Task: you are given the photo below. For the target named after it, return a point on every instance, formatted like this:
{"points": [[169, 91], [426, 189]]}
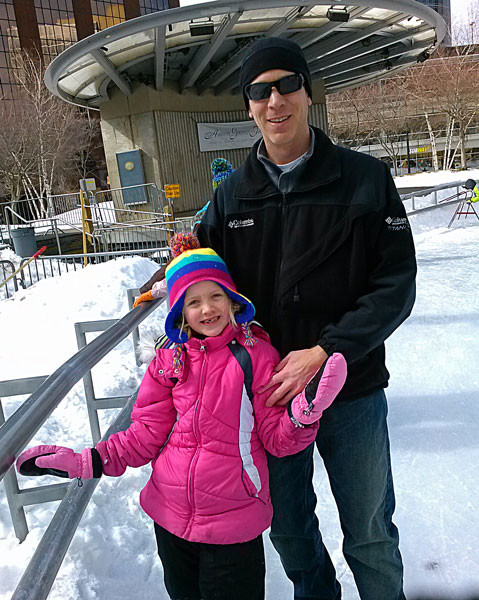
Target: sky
{"points": [[460, 8], [433, 421]]}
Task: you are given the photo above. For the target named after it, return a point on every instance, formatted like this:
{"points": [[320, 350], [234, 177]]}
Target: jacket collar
{"points": [[321, 168], [213, 343]]}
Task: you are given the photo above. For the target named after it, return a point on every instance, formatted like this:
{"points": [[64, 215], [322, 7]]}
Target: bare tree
{"points": [[421, 88], [347, 114], [46, 141]]}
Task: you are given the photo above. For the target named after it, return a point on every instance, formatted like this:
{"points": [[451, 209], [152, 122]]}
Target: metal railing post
{"points": [[93, 403], [132, 294], [55, 229], [17, 498], [12, 492], [42, 570]]}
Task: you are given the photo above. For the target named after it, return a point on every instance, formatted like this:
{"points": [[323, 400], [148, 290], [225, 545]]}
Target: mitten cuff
{"points": [[96, 463], [294, 421]]}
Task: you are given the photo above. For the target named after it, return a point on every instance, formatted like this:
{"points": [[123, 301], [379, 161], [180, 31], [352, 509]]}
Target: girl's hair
{"points": [[234, 308]]}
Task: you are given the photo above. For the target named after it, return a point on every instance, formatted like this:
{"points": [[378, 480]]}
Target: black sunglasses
{"points": [[285, 85]]}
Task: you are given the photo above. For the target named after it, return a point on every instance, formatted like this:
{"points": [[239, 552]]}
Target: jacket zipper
{"points": [[280, 262], [196, 432]]}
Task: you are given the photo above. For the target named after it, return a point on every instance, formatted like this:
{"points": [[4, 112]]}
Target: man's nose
{"points": [[275, 98]]}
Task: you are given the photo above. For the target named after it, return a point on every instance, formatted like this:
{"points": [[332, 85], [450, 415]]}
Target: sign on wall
{"points": [[172, 190], [227, 136]]}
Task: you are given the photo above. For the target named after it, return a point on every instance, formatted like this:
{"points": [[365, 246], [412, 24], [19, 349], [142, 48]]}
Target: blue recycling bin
{"points": [[24, 241]]}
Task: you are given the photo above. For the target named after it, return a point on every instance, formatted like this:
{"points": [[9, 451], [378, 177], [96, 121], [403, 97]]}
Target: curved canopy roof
{"points": [[200, 47]]}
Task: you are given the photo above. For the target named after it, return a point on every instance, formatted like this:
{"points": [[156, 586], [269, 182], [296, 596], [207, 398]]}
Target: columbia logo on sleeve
{"points": [[398, 223]]}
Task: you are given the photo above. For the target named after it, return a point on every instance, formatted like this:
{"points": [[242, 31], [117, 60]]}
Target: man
{"points": [[317, 236]]}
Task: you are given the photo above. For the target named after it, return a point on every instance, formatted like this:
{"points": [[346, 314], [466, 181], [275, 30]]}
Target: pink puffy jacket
{"points": [[206, 439]]}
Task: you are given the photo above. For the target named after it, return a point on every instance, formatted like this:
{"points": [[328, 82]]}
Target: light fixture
{"points": [[202, 28], [337, 14], [423, 56]]}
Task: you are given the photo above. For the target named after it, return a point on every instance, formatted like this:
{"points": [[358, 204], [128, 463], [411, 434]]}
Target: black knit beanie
{"points": [[273, 53]]}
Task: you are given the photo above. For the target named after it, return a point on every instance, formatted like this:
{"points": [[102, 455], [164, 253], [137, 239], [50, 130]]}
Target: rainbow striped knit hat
{"points": [[191, 265]]}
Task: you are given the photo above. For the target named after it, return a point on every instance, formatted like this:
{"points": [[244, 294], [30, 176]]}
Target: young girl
{"points": [[200, 421]]}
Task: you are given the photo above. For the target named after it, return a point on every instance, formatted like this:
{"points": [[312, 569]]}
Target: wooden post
{"points": [[86, 220]]}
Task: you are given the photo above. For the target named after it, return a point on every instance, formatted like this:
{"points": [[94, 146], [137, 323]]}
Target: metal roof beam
{"points": [[359, 50], [207, 51], [160, 57], [234, 62], [326, 47], [109, 68], [307, 39], [347, 39], [335, 68], [379, 68], [283, 24], [371, 59]]}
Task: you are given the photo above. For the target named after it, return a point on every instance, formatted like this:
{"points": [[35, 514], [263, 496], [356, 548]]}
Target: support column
{"points": [[27, 25], [132, 9], [83, 18]]}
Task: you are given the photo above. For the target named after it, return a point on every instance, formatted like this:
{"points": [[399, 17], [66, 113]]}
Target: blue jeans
{"points": [[353, 442]]}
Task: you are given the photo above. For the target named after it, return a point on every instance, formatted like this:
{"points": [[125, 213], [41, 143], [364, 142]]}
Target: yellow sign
{"points": [[172, 190], [423, 149]]}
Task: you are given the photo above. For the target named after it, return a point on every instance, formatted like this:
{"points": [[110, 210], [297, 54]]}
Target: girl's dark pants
{"points": [[196, 571]]}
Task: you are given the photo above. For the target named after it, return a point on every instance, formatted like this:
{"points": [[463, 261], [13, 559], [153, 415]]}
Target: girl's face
{"points": [[206, 308]]}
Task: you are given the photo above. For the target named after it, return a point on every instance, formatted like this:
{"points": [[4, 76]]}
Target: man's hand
{"points": [[293, 373]]}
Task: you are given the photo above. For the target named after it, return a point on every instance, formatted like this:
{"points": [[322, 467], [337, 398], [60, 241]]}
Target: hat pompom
{"points": [[181, 242], [221, 169]]}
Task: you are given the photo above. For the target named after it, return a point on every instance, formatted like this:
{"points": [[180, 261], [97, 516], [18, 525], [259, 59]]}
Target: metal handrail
{"points": [[412, 196], [427, 191], [40, 574], [19, 429]]}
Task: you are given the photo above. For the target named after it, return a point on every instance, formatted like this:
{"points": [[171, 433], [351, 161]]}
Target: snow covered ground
{"points": [[434, 427], [430, 178]]}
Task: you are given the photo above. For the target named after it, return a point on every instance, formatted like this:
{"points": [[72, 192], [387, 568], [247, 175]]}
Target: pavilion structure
{"points": [[166, 83]]}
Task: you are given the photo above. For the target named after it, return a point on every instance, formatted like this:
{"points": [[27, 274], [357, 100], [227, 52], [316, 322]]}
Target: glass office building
{"points": [[443, 7], [50, 26]]}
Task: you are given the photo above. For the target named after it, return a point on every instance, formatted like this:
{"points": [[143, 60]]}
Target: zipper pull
{"points": [[296, 297], [202, 347]]}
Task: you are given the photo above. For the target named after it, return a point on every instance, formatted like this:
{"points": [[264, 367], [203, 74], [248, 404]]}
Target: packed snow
{"points": [[433, 418], [430, 178]]}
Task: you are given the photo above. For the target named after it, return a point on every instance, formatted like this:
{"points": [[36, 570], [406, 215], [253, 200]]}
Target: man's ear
{"points": [[309, 101], [250, 114]]}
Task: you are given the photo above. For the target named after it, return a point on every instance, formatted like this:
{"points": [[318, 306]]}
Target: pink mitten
{"points": [[308, 406], [59, 461]]}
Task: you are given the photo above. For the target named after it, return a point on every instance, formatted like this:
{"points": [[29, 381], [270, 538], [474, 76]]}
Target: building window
{"points": [[151, 6], [106, 14], [56, 26], [9, 44]]}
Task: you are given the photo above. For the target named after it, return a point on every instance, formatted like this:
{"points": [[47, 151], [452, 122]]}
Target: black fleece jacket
{"points": [[331, 263]]}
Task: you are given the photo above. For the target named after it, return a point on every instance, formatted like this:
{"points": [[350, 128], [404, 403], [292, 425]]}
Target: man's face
{"points": [[283, 120]]}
